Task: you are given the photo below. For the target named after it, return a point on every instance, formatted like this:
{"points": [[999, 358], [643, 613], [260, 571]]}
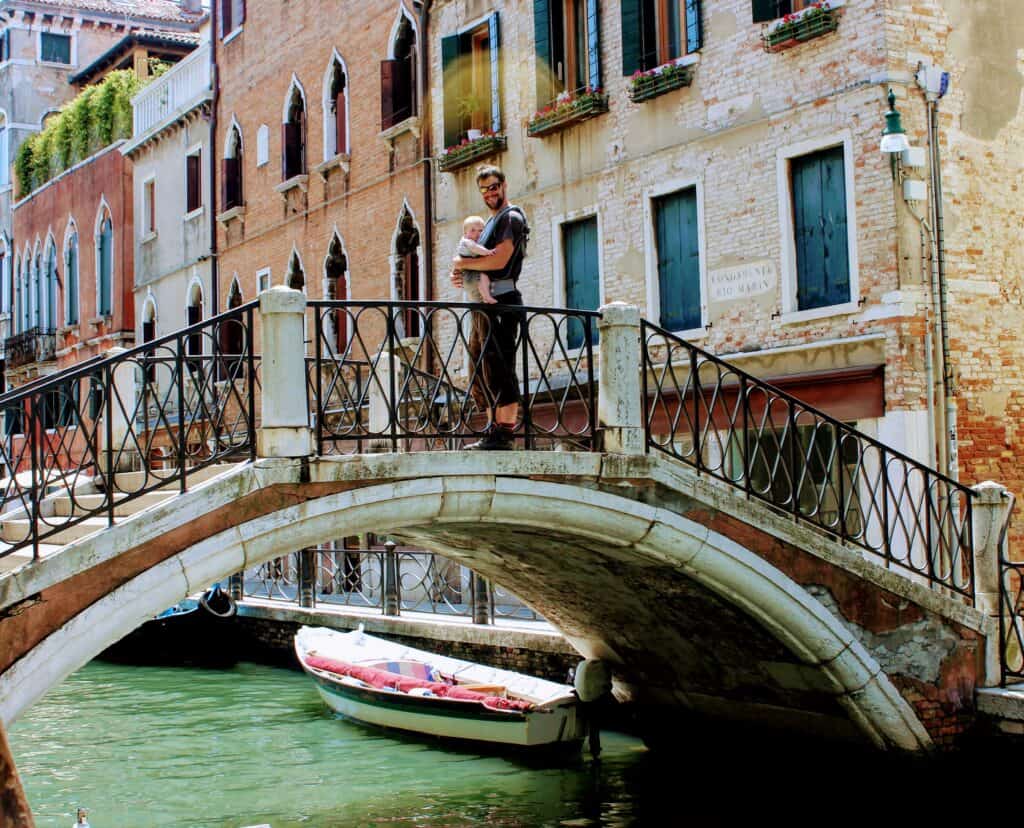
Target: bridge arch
{"points": [[609, 571]]}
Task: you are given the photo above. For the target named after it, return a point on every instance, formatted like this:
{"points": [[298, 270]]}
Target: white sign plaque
{"points": [[739, 282]]}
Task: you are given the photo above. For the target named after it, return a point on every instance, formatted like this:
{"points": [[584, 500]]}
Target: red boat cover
{"points": [[382, 679]]}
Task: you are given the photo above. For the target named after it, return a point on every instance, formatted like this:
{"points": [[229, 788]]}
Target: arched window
{"points": [[17, 314], [149, 333], [293, 135], [50, 287], [296, 275], [336, 287], [38, 290], [398, 76], [231, 336], [5, 162], [105, 265], [71, 278], [336, 137], [26, 290], [193, 316], [406, 265], [231, 169]]}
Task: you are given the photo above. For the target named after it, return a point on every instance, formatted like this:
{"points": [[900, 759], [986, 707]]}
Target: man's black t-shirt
{"points": [[509, 223]]}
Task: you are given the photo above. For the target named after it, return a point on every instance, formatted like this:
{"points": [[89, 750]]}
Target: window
{"points": [[193, 181], [296, 274], [407, 270], [677, 245], [820, 233], [55, 48], [336, 276], [148, 207], [230, 338], [293, 137], [232, 16], [336, 138], [582, 273], [105, 267], [398, 78], [262, 145], [566, 37], [5, 166], [231, 170], [262, 280], [71, 280], [49, 321], [5, 45], [655, 32], [767, 10], [148, 335], [469, 62], [193, 316]]}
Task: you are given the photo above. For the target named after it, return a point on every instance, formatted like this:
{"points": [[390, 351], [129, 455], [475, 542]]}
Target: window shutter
{"points": [[231, 176], [450, 80], [834, 236], [302, 143], [593, 45], [388, 73], [291, 150], [226, 26], [106, 267], [341, 122], [819, 229], [765, 10], [238, 12], [285, 141], [694, 31], [678, 251], [631, 37], [494, 40], [542, 48]]}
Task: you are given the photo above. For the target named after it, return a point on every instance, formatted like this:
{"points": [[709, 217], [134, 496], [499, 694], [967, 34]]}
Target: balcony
{"points": [[33, 345], [172, 95]]}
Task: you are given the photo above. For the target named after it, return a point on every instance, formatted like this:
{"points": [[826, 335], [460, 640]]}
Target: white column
{"points": [[619, 410], [989, 514], [124, 392], [284, 430]]}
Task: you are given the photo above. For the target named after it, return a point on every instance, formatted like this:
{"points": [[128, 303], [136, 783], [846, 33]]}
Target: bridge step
{"points": [[8, 563], [66, 507], [134, 480], [15, 530]]}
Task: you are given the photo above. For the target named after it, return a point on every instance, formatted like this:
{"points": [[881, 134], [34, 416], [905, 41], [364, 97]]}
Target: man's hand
{"points": [[456, 278]]}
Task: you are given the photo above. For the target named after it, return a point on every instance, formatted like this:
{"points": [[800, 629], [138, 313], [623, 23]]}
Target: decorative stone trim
{"points": [[647, 85], [341, 160], [466, 154], [813, 22], [566, 114], [410, 124], [296, 181], [236, 212]]}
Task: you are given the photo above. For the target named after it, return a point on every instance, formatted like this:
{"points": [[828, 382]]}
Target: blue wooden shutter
{"points": [[450, 81], [819, 229], [678, 249], [493, 41], [106, 267], [71, 281], [542, 49], [593, 45], [582, 275], [694, 32], [631, 36]]}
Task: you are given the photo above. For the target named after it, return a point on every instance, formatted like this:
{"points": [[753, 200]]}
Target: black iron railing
{"points": [[728, 424], [164, 410], [1011, 607], [33, 345], [421, 375]]}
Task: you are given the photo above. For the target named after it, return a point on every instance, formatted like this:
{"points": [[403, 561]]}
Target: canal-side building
{"points": [[319, 142], [719, 164]]}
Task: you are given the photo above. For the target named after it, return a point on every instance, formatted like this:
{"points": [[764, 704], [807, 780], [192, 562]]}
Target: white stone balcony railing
{"points": [[172, 95]]}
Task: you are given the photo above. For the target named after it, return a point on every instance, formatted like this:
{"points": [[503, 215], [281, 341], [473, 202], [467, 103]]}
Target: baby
{"points": [[473, 280]]}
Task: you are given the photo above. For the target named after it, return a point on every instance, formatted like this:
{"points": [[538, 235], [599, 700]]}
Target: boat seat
{"points": [[409, 669]]}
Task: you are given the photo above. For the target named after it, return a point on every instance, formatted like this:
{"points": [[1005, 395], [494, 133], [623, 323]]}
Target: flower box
{"points": [[460, 156], [650, 84], [566, 112], [792, 30]]}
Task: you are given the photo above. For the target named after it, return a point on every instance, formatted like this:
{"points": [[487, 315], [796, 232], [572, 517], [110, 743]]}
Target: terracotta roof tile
{"points": [[168, 10]]}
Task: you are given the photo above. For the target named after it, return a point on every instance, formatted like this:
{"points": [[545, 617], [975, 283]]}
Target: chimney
{"points": [[192, 6]]}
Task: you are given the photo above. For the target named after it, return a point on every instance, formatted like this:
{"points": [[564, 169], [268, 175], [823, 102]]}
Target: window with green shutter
{"points": [[764, 11], [818, 184], [71, 281], [470, 75], [55, 48], [582, 273], [677, 242], [655, 32], [105, 255], [568, 47]]}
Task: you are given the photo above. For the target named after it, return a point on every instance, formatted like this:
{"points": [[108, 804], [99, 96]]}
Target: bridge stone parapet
{"points": [[703, 602]]}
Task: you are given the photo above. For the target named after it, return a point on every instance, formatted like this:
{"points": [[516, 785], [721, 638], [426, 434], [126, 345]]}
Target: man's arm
{"points": [[496, 261]]}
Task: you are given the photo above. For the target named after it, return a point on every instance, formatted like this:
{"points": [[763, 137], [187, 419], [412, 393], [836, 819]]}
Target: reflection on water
{"points": [[161, 747]]}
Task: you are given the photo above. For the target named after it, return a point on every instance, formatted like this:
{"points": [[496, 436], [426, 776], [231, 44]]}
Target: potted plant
{"points": [[659, 80], [469, 106], [813, 21], [467, 151], [567, 109]]}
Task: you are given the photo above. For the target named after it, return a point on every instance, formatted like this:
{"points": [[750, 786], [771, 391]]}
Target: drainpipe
{"points": [[215, 86], [426, 161]]}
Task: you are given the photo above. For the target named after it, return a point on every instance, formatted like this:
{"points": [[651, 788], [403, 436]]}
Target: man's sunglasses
{"points": [[490, 188]]}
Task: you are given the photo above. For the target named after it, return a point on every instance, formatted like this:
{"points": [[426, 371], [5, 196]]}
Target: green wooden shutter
{"points": [[106, 267], [71, 281], [694, 31], [542, 49], [493, 41], [450, 81], [631, 36], [819, 229], [582, 275], [593, 45], [677, 241]]}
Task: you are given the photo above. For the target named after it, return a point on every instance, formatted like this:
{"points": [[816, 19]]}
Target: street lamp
{"points": [[894, 137]]}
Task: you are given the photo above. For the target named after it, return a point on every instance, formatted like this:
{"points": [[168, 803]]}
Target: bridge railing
{"points": [[726, 423], [1011, 607], [419, 375], [162, 410]]}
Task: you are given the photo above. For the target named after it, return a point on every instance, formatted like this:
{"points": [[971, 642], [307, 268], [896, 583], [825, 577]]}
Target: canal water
{"points": [[163, 747]]}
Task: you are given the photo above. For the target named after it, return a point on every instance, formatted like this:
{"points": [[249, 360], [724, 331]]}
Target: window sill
{"points": [[68, 329], [676, 74], [690, 334], [341, 160], [410, 124], [96, 321], [193, 215], [55, 64], [795, 317], [296, 181], [562, 116], [232, 213], [148, 237], [782, 35], [232, 35], [463, 156]]}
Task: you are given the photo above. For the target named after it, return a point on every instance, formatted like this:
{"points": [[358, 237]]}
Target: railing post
{"points": [[307, 578], [391, 597], [122, 398], [236, 586], [619, 409], [382, 403], [989, 514], [481, 595], [284, 430]]}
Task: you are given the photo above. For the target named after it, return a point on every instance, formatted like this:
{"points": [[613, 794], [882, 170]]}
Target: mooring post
{"points": [[236, 586], [284, 430], [14, 809], [989, 514], [307, 578], [619, 410], [481, 594], [392, 600]]}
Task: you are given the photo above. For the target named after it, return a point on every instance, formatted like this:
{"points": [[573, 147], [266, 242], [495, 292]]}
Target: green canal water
{"points": [[162, 747]]}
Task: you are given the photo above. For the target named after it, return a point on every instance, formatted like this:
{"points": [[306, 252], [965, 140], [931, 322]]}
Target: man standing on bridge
{"points": [[492, 343]]}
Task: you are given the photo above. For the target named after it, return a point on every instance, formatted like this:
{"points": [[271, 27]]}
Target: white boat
{"points": [[382, 683]]}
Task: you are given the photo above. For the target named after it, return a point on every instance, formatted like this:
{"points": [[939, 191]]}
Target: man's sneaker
{"points": [[497, 438]]}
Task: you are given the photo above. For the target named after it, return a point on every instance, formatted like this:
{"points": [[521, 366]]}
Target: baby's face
{"points": [[473, 231]]}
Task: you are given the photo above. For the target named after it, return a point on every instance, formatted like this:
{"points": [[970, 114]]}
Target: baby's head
{"points": [[472, 227]]}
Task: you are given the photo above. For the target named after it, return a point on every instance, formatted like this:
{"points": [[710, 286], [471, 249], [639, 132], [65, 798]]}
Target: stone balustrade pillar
{"points": [[989, 515], [380, 397], [284, 430], [619, 408], [123, 393]]}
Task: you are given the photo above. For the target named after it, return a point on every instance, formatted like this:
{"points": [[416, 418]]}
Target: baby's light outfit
{"points": [[469, 249]]}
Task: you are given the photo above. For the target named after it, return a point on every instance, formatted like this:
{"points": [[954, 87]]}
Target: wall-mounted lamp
{"points": [[894, 137]]}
